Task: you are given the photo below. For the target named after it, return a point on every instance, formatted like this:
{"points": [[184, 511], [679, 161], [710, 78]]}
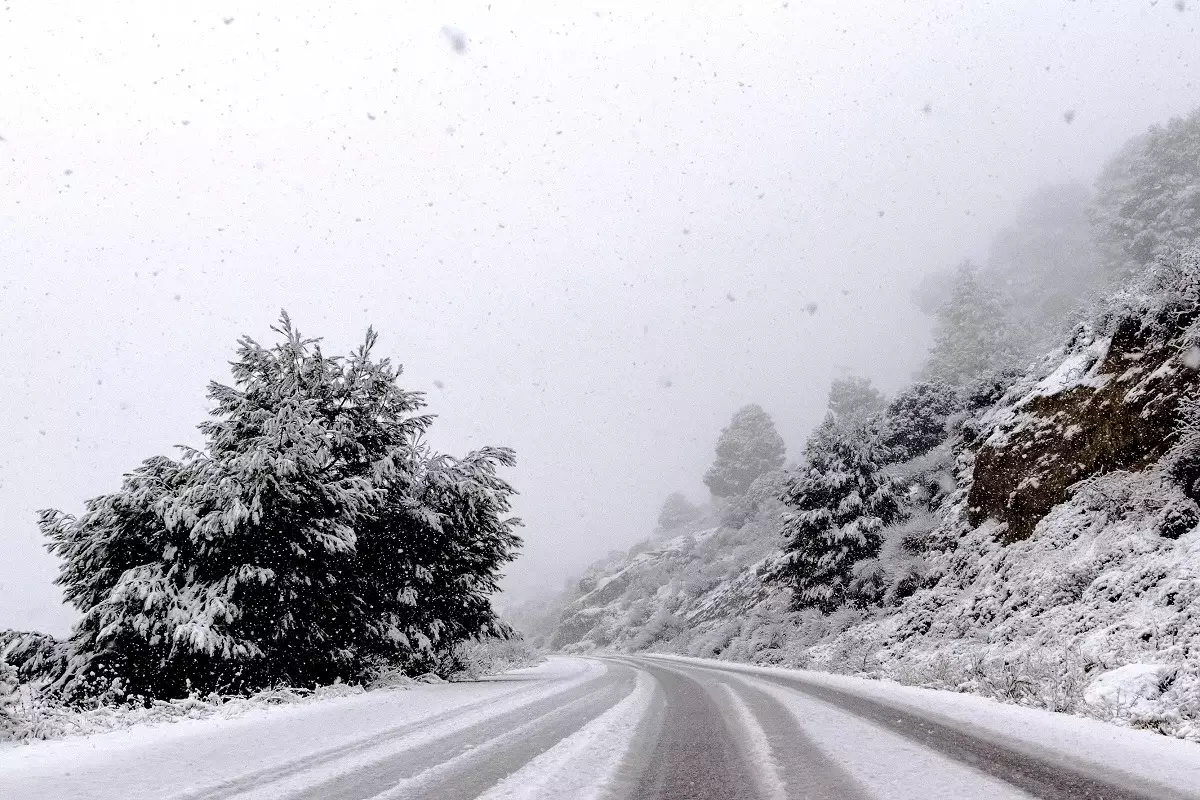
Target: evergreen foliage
{"points": [[315, 536], [974, 335], [854, 399], [915, 421], [676, 512], [838, 502], [747, 448], [36, 656], [762, 494], [10, 699], [1147, 203]]}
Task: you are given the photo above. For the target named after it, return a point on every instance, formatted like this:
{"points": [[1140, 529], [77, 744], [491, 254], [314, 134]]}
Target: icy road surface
{"points": [[629, 727]]}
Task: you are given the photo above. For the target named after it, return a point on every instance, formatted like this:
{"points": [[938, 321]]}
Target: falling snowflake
{"points": [[457, 39]]}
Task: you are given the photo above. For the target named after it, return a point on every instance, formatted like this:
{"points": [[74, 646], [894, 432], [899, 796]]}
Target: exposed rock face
{"points": [[1112, 405]]}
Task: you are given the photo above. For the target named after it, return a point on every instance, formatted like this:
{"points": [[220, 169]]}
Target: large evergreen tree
{"points": [[838, 502], [314, 536], [747, 448]]}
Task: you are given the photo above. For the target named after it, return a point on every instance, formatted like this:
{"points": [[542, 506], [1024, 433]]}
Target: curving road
{"points": [[628, 728]]}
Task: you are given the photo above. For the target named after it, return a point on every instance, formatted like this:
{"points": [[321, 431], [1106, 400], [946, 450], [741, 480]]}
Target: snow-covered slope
{"points": [[1060, 566], [693, 581]]}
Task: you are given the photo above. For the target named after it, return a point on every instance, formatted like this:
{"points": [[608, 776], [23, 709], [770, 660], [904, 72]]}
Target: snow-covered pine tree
{"points": [[430, 558], [1147, 203], [10, 700], [747, 447], [676, 511], [854, 399], [915, 421], [838, 502], [298, 546], [974, 335]]}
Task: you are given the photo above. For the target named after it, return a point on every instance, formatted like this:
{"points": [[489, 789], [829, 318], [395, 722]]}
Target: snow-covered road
{"points": [[629, 727]]}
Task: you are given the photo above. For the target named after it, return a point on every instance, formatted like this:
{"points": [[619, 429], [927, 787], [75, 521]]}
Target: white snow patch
{"points": [[156, 761], [1074, 368], [1128, 684], [583, 765], [758, 749]]}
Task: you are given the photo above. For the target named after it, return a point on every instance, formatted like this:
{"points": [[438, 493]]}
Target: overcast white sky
{"points": [[597, 226]]}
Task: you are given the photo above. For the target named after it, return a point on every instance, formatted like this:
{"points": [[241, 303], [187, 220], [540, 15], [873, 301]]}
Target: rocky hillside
{"points": [[1048, 551]]}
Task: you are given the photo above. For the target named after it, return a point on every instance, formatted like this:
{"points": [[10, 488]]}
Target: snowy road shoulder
{"points": [[164, 760], [1107, 749]]}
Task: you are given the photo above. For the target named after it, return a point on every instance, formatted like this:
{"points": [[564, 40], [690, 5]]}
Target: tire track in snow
{"points": [[1041, 777], [872, 762], [486, 753], [587, 764], [696, 755], [1037, 774], [279, 779], [787, 763], [757, 747]]}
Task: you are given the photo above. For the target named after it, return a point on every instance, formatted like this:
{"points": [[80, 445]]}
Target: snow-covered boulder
{"points": [[1127, 685]]}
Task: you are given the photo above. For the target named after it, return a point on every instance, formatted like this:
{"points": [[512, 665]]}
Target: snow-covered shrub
{"points": [[1183, 462], [44, 716], [491, 656], [1163, 299], [11, 725]]}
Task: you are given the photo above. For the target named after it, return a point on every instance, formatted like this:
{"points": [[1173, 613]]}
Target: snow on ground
{"points": [[898, 768], [1054, 621], [756, 746], [1140, 753], [153, 761], [585, 764], [1128, 684]]}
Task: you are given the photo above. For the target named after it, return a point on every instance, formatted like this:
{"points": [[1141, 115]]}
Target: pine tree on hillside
{"points": [[1147, 203], [676, 512], [314, 536], [915, 421], [747, 448], [974, 335], [838, 502], [854, 399]]}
